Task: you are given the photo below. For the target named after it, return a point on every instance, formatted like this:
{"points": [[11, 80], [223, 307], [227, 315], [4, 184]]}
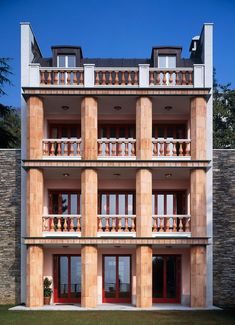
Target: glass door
{"points": [[67, 278], [116, 278], [166, 278]]}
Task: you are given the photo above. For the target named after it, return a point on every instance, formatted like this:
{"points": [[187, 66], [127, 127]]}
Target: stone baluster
{"points": [[174, 151], [52, 227], [132, 225], [116, 81], [59, 224], [129, 80], [158, 78], [110, 80], [68, 81], [136, 78], [155, 148], [42, 74], [171, 77], [113, 224], [161, 151], [113, 148], [119, 148], [177, 77], [161, 224], [62, 78], [99, 148], [71, 153], [100, 225], [97, 78], [154, 224], [151, 78], [181, 152], [126, 148], [174, 224], [65, 224], [180, 224], [168, 149], [123, 81], [52, 151], [71, 224], [126, 224], [103, 78], [107, 224], [78, 224], [106, 148], [49, 77], [65, 148], [75, 79], [119, 224], [59, 148], [167, 224], [183, 78], [133, 149]]}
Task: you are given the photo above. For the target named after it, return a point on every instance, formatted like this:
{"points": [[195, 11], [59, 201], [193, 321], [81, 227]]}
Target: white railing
{"points": [[171, 223], [112, 76], [171, 77], [116, 223], [116, 147], [171, 147], [62, 76], [61, 223], [61, 147]]}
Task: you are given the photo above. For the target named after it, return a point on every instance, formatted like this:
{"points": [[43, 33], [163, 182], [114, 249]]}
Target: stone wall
{"points": [[9, 226], [224, 227]]}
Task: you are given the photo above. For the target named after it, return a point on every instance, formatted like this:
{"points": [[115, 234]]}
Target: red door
{"points": [[166, 278], [67, 278], [117, 278]]}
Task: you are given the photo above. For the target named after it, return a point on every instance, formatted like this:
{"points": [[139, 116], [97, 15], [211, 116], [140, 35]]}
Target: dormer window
{"points": [[167, 61], [66, 61]]}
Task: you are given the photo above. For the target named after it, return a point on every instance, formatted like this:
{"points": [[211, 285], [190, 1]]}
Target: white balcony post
{"points": [[199, 75], [89, 75], [34, 74], [143, 75]]}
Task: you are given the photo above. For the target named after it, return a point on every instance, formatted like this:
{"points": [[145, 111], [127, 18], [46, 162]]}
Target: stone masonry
{"points": [[224, 227], [9, 226]]}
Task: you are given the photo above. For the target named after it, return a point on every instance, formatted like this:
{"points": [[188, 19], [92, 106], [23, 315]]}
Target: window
{"points": [[167, 61], [169, 203], [66, 61], [117, 203], [65, 202]]}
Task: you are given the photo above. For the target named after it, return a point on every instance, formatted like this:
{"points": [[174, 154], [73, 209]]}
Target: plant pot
{"points": [[47, 300]]}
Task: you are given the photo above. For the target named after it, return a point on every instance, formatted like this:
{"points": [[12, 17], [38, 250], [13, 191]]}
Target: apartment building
{"points": [[117, 175]]}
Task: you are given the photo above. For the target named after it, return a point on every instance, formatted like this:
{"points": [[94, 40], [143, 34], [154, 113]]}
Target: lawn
{"points": [[115, 317]]}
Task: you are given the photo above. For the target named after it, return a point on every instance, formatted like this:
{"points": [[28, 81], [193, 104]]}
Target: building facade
{"points": [[117, 175]]}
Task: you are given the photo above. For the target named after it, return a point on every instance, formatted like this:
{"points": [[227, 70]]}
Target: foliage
{"points": [[5, 71], [47, 290], [224, 116]]}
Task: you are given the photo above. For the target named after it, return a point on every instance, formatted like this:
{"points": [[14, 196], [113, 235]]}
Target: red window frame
{"points": [[58, 299], [117, 299], [174, 126], [60, 192], [117, 127], [164, 299], [66, 126], [108, 193], [174, 193]]}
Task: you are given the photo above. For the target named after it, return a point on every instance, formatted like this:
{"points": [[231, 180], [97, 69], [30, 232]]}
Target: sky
{"points": [[116, 28]]}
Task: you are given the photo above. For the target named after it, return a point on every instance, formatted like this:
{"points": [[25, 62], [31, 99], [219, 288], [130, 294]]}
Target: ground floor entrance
{"points": [[166, 278], [116, 279], [67, 278]]}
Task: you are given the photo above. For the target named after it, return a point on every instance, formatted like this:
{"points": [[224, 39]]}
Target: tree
{"points": [[223, 116], [9, 117]]}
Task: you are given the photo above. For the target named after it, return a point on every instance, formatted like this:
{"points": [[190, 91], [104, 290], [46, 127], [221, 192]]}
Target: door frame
{"points": [[56, 279], [177, 299], [116, 300]]}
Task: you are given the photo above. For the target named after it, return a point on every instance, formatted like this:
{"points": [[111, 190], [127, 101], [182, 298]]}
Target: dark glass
{"points": [[74, 204], [65, 203], [55, 203], [110, 276], [158, 269], [63, 277], [122, 132], [171, 277], [75, 277], [124, 269], [113, 133]]}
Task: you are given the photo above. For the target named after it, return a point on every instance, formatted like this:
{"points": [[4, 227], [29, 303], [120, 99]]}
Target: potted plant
{"points": [[47, 291]]}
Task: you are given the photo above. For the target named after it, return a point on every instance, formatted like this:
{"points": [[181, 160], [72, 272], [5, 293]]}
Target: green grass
{"points": [[115, 317]]}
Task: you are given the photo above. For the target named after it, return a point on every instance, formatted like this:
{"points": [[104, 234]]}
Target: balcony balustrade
{"points": [[171, 148], [117, 147], [64, 223], [60, 76], [116, 224], [171, 77], [61, 147], [119, 76], [171, 223]]}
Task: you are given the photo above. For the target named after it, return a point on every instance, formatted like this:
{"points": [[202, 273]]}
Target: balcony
{"points": [[61, 225], [57, 148], [116, 225], [165, 225], [171, 148], [117, 148], [113, 77]]}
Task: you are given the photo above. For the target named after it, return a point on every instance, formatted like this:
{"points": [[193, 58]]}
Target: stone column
{"points": [[144, 128], [144, 203], [198, 203], [89, 111], [198, 128], [34, 281], [89, 190], [143, 276], [34, 203], [198, 276], [35, 125], [89, 276]]}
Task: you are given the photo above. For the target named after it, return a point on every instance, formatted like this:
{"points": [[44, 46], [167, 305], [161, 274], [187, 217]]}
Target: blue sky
{"points": [[117, 28]]}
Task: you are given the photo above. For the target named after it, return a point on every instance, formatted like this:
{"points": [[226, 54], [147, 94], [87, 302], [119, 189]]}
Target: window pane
{"points": [[71, 61], [110, 276], [130, 204], [61, 61], [160, 204], [65, 202], [112, 204], [55, 205], [171, 61], [170, 204], [162, 61], [121, 204], [103, 204], [158, 276], [63, 277], [153, 204], [75, 276], [74, 204], [171, 277], [124, 272]]}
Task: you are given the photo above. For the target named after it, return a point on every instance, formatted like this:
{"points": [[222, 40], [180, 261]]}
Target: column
{"points": [[198, 128], [89, 276], [34, 282], [198, 203], [143, 276], [198, 276], [144, 203], [35, 121], [89, 190], [89, 111], [34, 203], [144, 128]]}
